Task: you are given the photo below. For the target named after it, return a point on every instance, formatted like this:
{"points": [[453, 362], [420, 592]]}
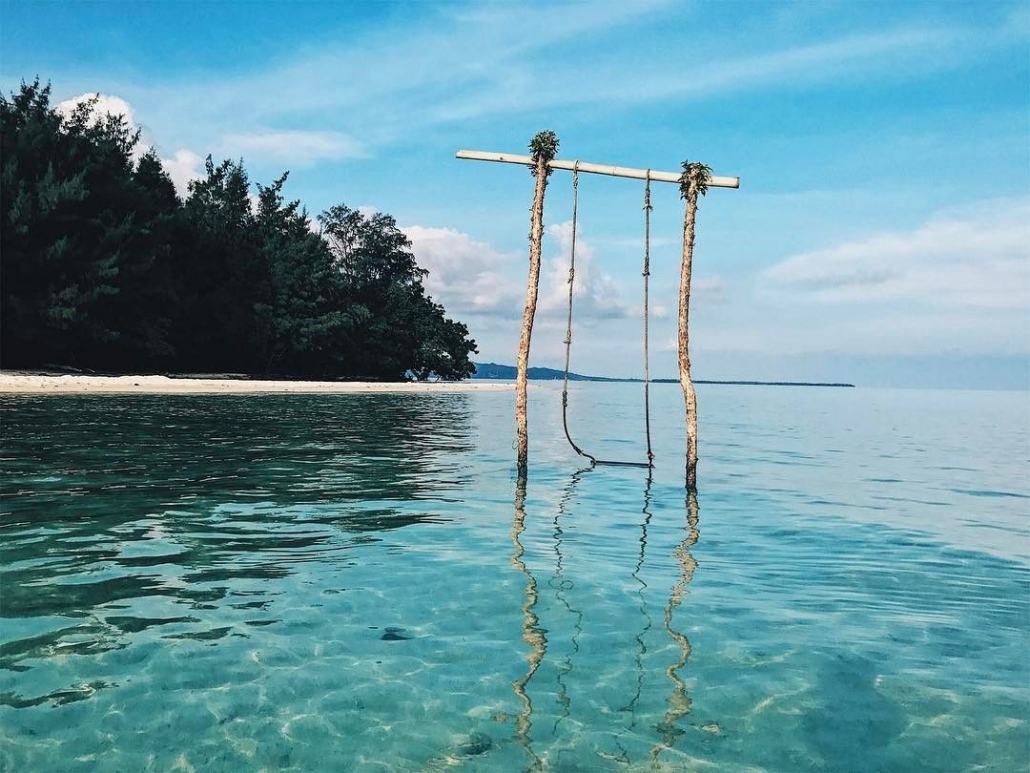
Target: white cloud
{"points": [[465, 275], [303, 148], [107, 104], [595, 293], [183, 167], [979, 258]]}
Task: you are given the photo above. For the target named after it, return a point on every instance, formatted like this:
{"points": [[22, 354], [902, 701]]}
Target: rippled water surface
{"points": [[352, 582]]}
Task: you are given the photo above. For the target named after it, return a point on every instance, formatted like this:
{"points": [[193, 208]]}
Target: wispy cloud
{"points": [[977, 258], [479, 62], [296, 148], [443, 65], [301, 148], [960, 282], [848, 57]]}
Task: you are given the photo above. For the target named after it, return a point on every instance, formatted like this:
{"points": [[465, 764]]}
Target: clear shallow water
{"points": [[350, 582]]}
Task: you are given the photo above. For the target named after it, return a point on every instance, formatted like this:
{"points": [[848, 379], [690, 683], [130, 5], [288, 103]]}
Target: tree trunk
{"points": [[536, 233], [689, 394]]}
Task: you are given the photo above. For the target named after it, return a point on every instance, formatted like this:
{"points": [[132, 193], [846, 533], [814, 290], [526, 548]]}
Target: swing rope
{"points": [[568, 327], [647, 316]]}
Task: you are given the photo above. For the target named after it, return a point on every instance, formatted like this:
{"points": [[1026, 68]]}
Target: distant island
{"points": [[491, 370]]}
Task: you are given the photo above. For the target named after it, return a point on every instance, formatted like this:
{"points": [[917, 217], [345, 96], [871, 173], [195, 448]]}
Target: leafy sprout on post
{"points": [[695, 178], [543, 146]]}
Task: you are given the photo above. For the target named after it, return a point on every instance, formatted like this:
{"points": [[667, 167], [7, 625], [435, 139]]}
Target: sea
{"points": [[358, 582]]}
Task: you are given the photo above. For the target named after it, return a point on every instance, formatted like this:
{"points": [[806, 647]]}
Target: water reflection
{"points": [[532, 634], [679, 699], [874, 649], [648, 721], [647, 624], [123, 514], [561, 586], [641, 636]]}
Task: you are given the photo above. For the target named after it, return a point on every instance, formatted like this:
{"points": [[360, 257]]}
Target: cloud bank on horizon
{"points": [[882, 149]]}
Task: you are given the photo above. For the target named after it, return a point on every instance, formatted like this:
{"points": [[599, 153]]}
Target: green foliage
{"points": [[104, 267], [71, 237], [695, 177], [543, 146], [397, 328]]}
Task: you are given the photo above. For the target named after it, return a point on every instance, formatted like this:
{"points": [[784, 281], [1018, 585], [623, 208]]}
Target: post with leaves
{"points": [[543, 148], [693, 183]]}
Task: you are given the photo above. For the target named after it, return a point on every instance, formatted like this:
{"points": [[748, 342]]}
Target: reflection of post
{"points": [[679, 701], [641, 644], [532, 634]]}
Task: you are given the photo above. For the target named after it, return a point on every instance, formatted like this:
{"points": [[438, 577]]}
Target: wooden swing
{"points": [[693, 181], [568, 329]]}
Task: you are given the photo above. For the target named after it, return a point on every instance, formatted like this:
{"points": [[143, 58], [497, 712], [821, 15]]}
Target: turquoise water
{"points": [[350, 582]]}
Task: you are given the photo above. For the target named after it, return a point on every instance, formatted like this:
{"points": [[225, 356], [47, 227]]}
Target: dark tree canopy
{"points": [[102, 266]]}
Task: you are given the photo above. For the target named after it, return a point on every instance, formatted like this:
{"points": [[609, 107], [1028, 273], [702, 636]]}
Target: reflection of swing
{"points": [[568, 330]]}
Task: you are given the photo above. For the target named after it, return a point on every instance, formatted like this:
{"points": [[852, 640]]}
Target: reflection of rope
{"points": [[679, 700], [532, 633], [643, 604], [568, 332], [560, 585], [642, 646]]}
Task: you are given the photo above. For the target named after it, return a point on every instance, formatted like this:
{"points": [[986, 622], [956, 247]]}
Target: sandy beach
{"points": [[32, 383]]}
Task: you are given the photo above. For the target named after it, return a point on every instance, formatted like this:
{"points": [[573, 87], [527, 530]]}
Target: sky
{"points": [[880, 235]]}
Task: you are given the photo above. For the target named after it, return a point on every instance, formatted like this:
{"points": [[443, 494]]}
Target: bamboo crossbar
{"points": [[583, 166]]}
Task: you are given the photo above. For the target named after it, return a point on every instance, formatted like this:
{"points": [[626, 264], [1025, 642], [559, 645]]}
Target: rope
{"points": [[647, 317], [568, 326], [568, 339]]}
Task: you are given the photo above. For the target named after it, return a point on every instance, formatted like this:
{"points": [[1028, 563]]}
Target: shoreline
{"points": [[23, 382]]}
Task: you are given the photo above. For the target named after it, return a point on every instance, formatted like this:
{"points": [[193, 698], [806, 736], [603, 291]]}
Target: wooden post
{"points": [[693, 184], [544, 146]]}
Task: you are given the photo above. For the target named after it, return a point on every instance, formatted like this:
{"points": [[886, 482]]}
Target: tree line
{"points": [[104, 266]]}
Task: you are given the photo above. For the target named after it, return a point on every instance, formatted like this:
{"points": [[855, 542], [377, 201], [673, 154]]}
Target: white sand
{"points": [[29, 383]]}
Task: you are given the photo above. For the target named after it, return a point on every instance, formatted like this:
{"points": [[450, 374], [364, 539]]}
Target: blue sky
{"points": [[880, 234]]}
